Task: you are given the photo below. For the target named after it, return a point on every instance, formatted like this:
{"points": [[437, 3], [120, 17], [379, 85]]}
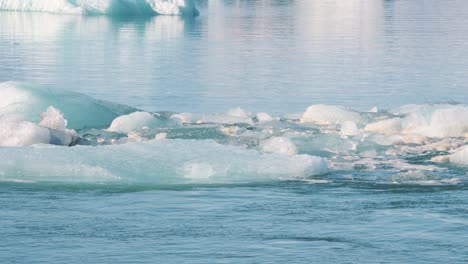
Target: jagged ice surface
{"points": [[408, 145]]}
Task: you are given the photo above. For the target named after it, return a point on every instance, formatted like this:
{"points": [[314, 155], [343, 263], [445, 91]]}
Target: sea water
{"points": [[233, 131]]}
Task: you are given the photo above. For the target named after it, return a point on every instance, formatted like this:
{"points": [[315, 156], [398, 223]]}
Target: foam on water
{"points": [[103, 7]]}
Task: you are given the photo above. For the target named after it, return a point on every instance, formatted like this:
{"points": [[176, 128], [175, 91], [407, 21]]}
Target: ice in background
{"points": [[273, 56], [103, 7]]}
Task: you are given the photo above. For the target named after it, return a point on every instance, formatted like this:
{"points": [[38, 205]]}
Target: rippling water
{"points": [[278, 56], [232, 185]]}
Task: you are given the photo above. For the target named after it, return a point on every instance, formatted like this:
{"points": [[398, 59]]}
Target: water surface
{"points": [[379, 203]]}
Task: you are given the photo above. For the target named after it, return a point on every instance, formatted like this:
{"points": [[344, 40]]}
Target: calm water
{"points": [[275, 56]]}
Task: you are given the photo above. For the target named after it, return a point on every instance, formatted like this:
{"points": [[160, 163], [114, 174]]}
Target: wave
{"points": [[103, 7], [112, 142]]}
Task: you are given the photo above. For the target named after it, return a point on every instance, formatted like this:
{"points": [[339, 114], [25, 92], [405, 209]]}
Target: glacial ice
{"points": [[133, 121], [81, 111], [439, 121], [411, 143], [330, 114], [232, 116], [460, 156], [103, 7], [155, 162], [53, 118], [263, 117], [349, 128], [15, 131], [281, 145]]}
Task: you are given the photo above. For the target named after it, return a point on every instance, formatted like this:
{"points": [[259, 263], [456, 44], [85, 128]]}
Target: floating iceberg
{"points": [[81, 111], [154, 162], [438, 120], [111, 142], [133, 121], [330, 114], [103, 7]]}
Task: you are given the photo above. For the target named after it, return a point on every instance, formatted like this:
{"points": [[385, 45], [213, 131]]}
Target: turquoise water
{"points": [[195, 179]]}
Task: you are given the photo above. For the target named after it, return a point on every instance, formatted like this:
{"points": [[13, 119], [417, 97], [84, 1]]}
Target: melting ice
{"points": [[48, 135], [103, 7]]}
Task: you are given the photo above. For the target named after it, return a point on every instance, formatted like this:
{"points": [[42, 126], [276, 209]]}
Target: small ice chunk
{"points": [[434, 120], [330, 114], [387, 140], [238, 112], [15, 131], [373, 110], [349, 128], [186, 118], [160, 136], [264, 117], [230, 130], [460, 156], [388, 126], [135, 136], [282, 145], [133, 121], [53, 118], [414, 139], [441, 159]]}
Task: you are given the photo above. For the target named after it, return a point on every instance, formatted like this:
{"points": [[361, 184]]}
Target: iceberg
{"points": [[81, 111], [103, 7], [154, 162]]}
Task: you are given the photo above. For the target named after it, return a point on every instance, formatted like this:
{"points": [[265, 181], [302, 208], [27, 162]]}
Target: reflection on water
{"points": [[275, 56]]}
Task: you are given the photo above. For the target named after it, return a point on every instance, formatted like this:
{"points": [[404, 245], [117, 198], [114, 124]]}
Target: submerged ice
{"points": [[155, 162], [425, 144], [103, 7]]}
